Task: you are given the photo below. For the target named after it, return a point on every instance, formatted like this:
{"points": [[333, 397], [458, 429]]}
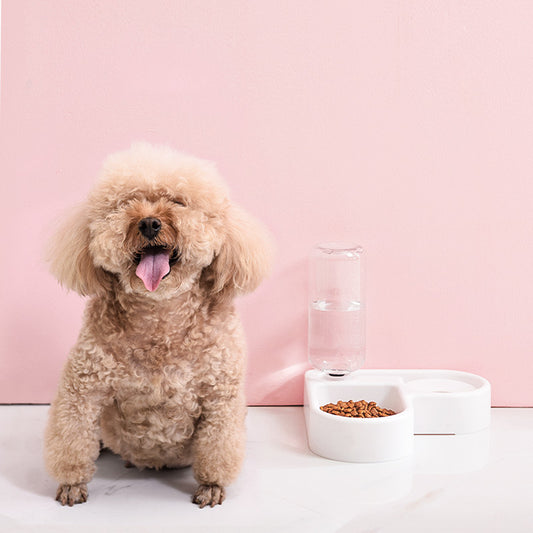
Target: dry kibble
{"points": [[360, 409]]}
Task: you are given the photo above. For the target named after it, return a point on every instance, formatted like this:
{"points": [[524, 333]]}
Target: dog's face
{"points": [[156, 234], [158, 221]]}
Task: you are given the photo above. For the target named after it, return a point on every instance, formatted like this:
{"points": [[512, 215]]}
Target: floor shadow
{"points": [[111, 469]]}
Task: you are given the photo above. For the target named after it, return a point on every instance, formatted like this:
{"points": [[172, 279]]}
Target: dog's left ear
{"points": [[244, 258]]}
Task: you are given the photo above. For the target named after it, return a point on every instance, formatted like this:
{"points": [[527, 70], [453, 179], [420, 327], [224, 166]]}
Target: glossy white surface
{"points": [[481, 482]]}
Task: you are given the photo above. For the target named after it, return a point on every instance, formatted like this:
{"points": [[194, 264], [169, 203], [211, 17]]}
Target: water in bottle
{"points": [[336, 311]]}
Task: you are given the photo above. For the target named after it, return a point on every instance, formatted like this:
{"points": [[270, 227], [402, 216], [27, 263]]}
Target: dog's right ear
{"points": [[69, 256]]}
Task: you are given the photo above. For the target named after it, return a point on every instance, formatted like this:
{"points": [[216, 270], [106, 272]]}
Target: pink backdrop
{"points": [[405, 126]]}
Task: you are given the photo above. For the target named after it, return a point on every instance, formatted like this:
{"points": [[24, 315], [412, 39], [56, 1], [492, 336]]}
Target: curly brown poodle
{"points": [[157, 373]]}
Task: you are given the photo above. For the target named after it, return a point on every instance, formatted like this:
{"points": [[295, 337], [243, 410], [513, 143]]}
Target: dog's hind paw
{"points": [[71, 494], [209, 495]]}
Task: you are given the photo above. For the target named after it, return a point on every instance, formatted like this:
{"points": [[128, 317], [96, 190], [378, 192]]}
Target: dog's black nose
{"points": [[149, 227]]}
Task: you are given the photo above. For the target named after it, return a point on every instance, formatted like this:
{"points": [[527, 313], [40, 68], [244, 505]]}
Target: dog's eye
{"points": [[178, 202]]}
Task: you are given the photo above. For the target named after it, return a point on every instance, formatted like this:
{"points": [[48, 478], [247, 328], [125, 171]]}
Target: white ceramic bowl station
{"points": [[425, 401]]}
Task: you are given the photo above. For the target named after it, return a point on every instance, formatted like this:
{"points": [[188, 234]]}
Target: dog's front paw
{"points": [[71, 494], [209, 495]]}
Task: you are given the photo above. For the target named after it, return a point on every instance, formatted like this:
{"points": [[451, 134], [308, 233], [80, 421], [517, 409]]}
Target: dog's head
{"points": [[159, 222]]}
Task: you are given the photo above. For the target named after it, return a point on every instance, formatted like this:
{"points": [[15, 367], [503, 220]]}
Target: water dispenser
{"points": [[424, 401]]}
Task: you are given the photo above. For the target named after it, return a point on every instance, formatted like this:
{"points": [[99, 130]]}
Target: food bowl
{"points": [[425, 402]]}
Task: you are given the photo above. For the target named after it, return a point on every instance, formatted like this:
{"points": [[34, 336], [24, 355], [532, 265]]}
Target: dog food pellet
{"points": [[360, 409]]}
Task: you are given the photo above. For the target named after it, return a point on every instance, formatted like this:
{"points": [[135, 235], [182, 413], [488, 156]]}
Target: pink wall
{"points": [[406, 126]]}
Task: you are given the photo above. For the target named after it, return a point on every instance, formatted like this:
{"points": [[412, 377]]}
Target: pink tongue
{"points": [[152, 268]]}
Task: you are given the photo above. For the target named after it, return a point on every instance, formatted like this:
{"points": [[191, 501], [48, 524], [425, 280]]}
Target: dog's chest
{"points": [[150, 336], [149, 352], [159, 399], [150, 344]]}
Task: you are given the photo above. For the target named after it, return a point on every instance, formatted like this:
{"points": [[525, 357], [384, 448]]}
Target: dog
{"points": [[157, 372]]}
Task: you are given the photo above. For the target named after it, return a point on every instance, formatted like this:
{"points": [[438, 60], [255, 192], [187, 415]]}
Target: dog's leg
{"points": [[72, 442], [218, 449]]}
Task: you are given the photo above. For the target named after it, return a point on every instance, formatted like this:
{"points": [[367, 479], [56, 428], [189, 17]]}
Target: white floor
{"points": [[476, 483]]}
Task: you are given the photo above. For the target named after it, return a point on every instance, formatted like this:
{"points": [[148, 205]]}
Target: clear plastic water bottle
{"points": [[336, 308]]}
